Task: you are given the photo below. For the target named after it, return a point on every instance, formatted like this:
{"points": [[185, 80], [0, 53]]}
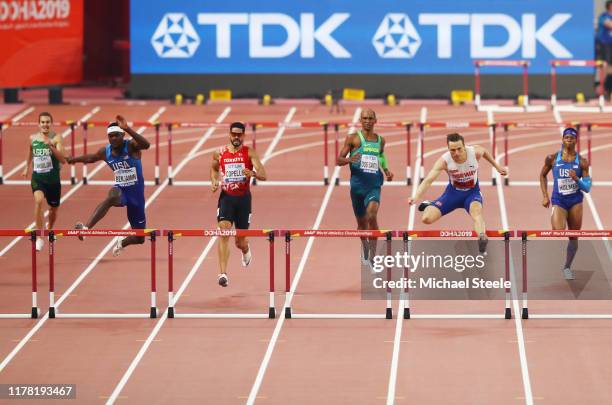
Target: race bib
{"points": [[567, 186], [234, 173], [126, 177], [369, 163], [42, 164]]}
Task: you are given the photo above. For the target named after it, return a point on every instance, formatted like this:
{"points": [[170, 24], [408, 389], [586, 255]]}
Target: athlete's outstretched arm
{"points": [[139, 142], [89, 158], [57, 148], [260, 172], [481, 151], [214, 172], [433, 174], [548, 163], [346, 149]]}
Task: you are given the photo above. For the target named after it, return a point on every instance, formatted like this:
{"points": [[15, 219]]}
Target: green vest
{"points": [[45, 167]]}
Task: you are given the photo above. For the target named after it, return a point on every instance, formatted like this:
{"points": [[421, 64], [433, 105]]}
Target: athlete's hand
{"points": [[215, 185], [389, 175], [502, 171], [249, 172], [572, 174], [546, 202], [355, 158], [122, 122]]}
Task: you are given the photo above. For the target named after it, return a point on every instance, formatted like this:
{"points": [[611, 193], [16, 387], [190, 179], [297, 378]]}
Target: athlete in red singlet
{"points": [[232, 168]]}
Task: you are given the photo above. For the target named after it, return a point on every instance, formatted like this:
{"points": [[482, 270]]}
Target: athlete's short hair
{"points": [[455, 137], [48, 114], [239, 125]]}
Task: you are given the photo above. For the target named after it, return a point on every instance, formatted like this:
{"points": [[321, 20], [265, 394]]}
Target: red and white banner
{"points": [[42, 42]]}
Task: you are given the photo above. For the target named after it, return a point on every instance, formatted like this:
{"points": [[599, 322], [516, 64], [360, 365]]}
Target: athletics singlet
{"points": [[128, 174], [45, 167], [231, 165], [366, 172], [463, 176], [564, 187]]}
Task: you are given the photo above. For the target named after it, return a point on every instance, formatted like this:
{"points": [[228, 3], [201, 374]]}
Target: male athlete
{"points": [[123, 157], [45, 155], [365, 150], [463, 190], [571, 179], [232, 167]]}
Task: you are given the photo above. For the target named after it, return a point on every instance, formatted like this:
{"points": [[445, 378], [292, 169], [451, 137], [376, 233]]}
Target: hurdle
{"points": [[32, 234], [172, 235], [410, 235], [524, 64], [54, 234], [328, 233], [557, 234], [597, 64]]}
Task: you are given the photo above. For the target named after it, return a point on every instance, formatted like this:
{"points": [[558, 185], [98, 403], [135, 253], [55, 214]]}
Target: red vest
{"points": [[232, 165]]}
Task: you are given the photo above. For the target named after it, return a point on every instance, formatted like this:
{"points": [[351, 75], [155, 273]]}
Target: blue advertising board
{"points": [[354, 36]]}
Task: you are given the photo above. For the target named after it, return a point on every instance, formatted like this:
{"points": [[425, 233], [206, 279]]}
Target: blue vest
{"points": [[564, 185], [127, 169]]}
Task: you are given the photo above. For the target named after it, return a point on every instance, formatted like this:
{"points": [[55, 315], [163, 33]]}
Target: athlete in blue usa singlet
{"points": [[123, 157], [571, 180]]}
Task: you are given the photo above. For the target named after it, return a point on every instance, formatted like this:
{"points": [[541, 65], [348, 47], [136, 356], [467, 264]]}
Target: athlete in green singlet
{"points": [[365, 150], [45, 155]]}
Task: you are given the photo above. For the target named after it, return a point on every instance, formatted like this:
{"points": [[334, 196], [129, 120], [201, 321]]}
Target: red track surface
{"points": [[463, 361]]}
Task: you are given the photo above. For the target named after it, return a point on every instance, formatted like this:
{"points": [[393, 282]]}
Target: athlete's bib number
{"points": [[126, 177], [567, 186], [369, 163], [234, 173], [42, 164]]}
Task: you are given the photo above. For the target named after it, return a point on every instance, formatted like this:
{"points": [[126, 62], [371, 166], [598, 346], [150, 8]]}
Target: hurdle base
{"points": [[51, 312], [271, 313], [72, 181], [169, 181], [34, 312], [508, 314], [157, 181], [506, 181], [406, 313], [170, 312], [84, 181], [326, 181], [254, 181], [1, 180], [337, 182], [389, 313], [153, 312], [494, 181], [408, 182], [525, 314], [287, 313]]}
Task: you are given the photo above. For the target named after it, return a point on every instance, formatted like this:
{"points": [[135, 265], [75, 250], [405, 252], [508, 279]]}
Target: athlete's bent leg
{"points": [[372, 224], [242, 243], [113, 199], [476, 214], [431, 215]]}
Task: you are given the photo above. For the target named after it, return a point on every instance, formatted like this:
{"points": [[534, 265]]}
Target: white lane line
{"points": [[278, 135], [391, 388], [296, 279], [520, 337], [22, 114]]}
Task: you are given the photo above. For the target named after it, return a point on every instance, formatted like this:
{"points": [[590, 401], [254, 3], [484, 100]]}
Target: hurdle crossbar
{"points": [[599, 65], [172, 235], [32, 235], [54, 234], [554, 234], [501, 63]]}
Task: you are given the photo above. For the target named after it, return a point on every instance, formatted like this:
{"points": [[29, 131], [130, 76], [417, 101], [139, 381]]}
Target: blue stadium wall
{"points": [[416, 49]]}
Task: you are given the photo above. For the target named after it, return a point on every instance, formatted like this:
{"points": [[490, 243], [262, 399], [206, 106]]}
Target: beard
{"points": [[236, 142]]}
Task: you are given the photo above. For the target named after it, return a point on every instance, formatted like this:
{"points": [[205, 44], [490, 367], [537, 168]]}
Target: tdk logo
{"points": [[175, 37], [396, 37]]}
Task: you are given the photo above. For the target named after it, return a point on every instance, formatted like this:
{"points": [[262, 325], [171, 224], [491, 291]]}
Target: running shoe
{"points": [[568, 274], [424, 204], [223, 280], [80, 225], [246, 257], [118, 247], [40, 242]]}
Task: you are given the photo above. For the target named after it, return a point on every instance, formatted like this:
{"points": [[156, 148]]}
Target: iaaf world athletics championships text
{"points": [[410, 262]]}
